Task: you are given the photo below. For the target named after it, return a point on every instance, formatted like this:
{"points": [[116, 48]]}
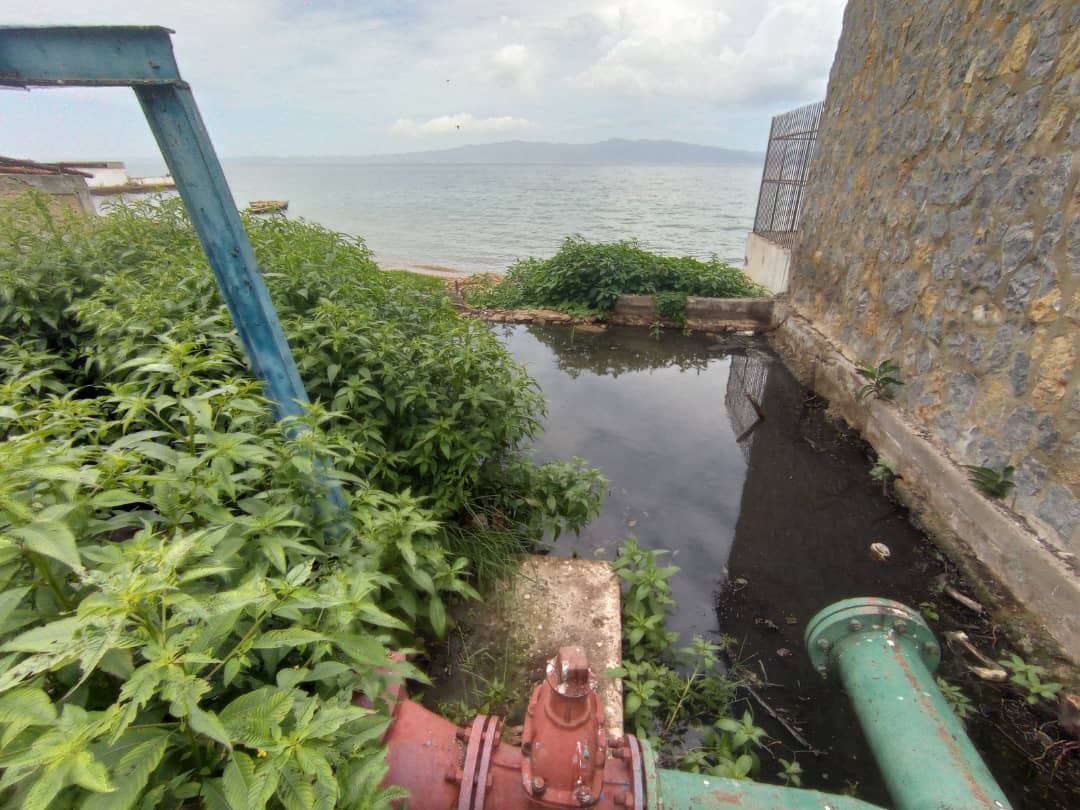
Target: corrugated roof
{"points": [[20, 166]]}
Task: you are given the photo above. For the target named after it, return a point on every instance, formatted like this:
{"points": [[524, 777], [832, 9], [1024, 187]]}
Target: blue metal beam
{"points": [[87, 56], [185, 145], [142, 57]]}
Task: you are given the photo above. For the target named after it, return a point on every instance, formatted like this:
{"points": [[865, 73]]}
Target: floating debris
{"points": [[267, 206], [966, 601], [880, 551]]}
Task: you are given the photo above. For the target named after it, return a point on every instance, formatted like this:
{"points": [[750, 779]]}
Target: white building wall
{"points": [[113, 173]]}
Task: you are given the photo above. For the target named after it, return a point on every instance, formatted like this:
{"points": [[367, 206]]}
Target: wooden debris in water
{"points": [[966, 601], [267, 206], [990, 672]]}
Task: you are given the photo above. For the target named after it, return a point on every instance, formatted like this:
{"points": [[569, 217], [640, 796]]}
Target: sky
{"points": [[359, 77]]}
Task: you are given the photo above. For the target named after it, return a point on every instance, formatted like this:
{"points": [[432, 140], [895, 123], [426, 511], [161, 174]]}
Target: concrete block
{"points": [[767, 263], [66, 192], [702, 314]]}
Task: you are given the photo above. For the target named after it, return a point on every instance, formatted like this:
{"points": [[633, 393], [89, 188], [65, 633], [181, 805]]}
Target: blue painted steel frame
{"points": [[87, 56], [142, 57]]}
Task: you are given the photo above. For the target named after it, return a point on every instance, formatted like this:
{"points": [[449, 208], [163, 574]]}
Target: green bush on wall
{"points": [[589, 277]]}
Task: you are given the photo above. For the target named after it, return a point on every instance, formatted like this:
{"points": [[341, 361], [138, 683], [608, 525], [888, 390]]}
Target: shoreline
{"points": [[436, 270]]}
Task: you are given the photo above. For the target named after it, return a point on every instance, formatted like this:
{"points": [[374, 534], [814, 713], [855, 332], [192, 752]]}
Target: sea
{"points": [[483, 217]]}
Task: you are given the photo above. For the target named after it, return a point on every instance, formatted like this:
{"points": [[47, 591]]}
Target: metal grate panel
{"points": [[792, 144]]}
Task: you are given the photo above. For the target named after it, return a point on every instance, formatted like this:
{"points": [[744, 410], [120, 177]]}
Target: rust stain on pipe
{"points": [[726, 797], [942, 732]]}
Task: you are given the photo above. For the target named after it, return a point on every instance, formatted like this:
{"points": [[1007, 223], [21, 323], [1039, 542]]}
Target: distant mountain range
{"points": [[615, 150]]}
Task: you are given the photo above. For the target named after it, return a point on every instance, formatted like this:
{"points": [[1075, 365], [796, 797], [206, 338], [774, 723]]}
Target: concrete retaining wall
{"points": [[701, 313], [981, 535], [767, 263]]}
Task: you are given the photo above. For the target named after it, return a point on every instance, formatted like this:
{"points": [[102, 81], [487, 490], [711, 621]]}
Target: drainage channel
{"points": [[715, 452]]}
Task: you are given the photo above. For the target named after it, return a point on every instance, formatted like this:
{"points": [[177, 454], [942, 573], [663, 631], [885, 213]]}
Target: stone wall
{"points": [[941, 229], [64, 191]]}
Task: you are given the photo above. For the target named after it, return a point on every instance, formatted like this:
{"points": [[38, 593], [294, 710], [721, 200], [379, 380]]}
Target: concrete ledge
{"points": [[976, 531], [701, 313]]}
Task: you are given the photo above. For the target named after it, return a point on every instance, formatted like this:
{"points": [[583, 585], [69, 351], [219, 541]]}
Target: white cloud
{"points": [[517, 66], [692, 49], [289, 78], [461, 122]]}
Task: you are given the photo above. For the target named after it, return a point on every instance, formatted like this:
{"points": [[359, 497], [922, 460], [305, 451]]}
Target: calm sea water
{"points": [[480, 218]]}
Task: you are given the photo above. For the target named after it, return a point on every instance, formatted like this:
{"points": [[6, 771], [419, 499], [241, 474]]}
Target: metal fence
{"points": [[792, 144]]}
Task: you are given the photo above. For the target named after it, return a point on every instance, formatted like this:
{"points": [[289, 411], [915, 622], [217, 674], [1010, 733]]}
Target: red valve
{"points": [[564, 760], [564, 743]]}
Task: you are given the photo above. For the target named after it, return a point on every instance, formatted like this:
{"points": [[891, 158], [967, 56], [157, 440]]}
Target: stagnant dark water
{"points": [[715, 452]]}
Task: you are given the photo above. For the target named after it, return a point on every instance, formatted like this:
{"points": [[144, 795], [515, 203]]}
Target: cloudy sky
{"points": [[338, 77]]}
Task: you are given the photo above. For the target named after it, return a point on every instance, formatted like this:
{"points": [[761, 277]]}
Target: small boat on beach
{"points": [[267, 206]]}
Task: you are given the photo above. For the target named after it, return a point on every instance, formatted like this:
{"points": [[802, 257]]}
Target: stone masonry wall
{"points": [[941, 229], [63, 192]]}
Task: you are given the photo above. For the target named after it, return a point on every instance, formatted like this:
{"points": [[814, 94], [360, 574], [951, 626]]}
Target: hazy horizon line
{"points": [[442, 149]]}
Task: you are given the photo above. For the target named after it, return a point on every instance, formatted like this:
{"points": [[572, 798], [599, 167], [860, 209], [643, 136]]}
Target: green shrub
{"points": [[674, 694], [175, 627], [587, 276], [882, 379], [993, 482]]}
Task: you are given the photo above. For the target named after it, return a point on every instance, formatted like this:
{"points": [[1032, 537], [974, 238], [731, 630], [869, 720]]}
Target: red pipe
{"points": [[565, 759]]}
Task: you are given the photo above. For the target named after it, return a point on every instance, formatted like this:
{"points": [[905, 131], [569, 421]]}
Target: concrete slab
{"points": [[65, 191], [553, 602]]}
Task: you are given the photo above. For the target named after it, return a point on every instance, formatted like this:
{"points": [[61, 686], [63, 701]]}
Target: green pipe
{"points": [[885, 655], [693, 791]]}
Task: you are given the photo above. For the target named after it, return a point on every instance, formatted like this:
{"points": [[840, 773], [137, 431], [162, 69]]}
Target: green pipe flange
{"points": [[868, 614], [652, 782]]}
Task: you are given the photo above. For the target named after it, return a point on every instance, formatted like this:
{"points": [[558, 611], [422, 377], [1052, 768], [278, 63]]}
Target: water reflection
{"points": [[807, 517], [745, 390], [577, 349], [652, 415], [714, 451]]}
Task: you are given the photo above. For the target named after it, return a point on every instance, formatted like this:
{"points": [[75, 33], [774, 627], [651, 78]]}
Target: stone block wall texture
{"points": [[64, 192], [942, 229]]}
